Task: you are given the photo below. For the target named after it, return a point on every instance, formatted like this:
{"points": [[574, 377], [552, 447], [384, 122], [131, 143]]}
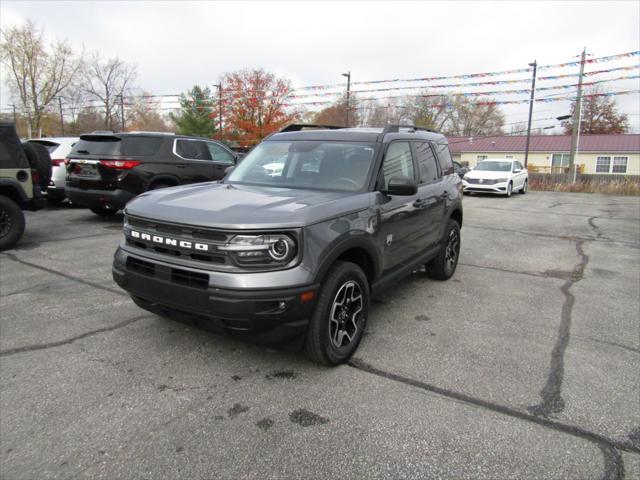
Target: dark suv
{"points": [[298, 236], [106, 170]]}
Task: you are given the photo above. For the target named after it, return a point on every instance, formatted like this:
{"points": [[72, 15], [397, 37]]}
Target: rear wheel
{"points": [[340, 316], [11, 223], [443, 266], [104, 211]]}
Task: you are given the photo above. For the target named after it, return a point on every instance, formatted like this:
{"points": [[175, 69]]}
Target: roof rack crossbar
{"points": [[395, 128], [296, 127]]}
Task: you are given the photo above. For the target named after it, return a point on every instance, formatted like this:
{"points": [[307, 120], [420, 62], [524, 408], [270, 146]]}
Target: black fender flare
{"points": [[345, 243], [13, 187], [172, 179]]}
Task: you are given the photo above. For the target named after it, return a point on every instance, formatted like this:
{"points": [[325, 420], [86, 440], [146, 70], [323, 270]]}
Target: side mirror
{"points": [[517, 170], [402, 186]]}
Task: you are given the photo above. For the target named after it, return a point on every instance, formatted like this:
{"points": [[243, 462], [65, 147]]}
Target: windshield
{"points": [[494, 166], [307, 164]]}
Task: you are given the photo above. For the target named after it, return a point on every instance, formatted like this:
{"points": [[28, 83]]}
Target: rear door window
{"points": [[427, 165], [193, 149], [219, 154], [444, 158]]}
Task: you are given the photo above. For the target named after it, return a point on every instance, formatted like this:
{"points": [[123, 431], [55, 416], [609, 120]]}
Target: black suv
{"points": [[298, 236], [106, 170]]}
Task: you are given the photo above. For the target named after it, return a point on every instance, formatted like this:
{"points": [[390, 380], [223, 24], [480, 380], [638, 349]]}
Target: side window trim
{"points": [[175, 149]]}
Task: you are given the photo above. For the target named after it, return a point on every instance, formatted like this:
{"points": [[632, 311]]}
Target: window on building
{"points": [[509, 157], [603, 164], [480, 158], [619, 165], [560, 160]]}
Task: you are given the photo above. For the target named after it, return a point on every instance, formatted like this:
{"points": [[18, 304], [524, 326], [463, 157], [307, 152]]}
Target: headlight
{"points": [[501, 180], [261, 250]]}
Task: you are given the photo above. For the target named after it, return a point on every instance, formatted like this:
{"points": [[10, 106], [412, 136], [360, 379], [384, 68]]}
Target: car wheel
{"points": [[523, 190], [443, 266], [509, 189], [11, 223], [103, 211], [340, 316]]}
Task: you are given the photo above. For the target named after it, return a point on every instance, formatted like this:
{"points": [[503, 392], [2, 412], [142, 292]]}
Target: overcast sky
{"points": [[179, 44]]}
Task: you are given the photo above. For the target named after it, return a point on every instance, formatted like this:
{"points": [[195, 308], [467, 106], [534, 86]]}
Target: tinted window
{"points": [[193, 149], [50, 146], [397, 162], [426, 163], [115, 146], [444, 158], [219, 154]]}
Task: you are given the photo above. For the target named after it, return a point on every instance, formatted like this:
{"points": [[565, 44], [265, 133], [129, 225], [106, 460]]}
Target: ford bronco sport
{"points": [[298, 237]]}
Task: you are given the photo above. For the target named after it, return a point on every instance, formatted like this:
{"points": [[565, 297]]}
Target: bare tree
{"points": [[430, 111], [39, 71], [106, 83], [474, 117], [599, 114], [143, 115]]}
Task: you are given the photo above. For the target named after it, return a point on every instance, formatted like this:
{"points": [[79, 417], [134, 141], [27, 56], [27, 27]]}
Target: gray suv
{"points": [[294, 242]]}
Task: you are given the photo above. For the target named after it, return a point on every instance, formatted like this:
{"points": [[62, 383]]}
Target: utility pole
{"points": [[575, 130], [15, 116], [61, 117], [122, 111], [533, 93], [219, 87], [348, 75]]}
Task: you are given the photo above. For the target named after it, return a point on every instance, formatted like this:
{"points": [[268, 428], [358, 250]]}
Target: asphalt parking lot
{"points": [[524, 365]]}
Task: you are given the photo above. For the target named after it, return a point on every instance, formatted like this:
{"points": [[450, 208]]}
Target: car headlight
{"points": [[501, 180], [261, 250]]}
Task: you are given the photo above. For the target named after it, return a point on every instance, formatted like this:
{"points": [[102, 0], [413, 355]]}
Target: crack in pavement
{"points": [[559, 274], [613, 463], [13, 257], [44, 346], [551, 393]]}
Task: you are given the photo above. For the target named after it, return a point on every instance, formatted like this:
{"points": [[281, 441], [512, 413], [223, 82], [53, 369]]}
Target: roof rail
{"points": [[395, 128], [296, 127]]}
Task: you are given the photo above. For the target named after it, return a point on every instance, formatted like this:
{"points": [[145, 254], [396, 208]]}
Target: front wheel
{"points": [[103, 211], [11, 223], [443, 266], [509, 189], [340, 316], [523, 190]]}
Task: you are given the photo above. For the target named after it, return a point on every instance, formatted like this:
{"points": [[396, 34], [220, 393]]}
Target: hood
{"points": [[487, 174], [236, 206]]}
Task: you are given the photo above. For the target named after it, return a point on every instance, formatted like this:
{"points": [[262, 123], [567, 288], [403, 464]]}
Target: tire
{"points": [[443, 266], [104, 212], [40, 161], [523, 190], [509, 190], [344, 293], [11, 223]]}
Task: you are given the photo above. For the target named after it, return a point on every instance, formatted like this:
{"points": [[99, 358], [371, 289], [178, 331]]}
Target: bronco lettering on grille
{"points": [[203, 247]]}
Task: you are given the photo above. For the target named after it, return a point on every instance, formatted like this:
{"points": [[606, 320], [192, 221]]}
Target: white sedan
{"points": [[497, 176]]}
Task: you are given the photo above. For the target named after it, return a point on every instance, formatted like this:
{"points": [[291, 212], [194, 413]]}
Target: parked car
{"points": [[58, 148], [106, 170], [297, 254], [498, 176], [25, 170]]}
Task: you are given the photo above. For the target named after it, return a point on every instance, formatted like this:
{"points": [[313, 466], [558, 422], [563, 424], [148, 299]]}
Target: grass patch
{"points": [[614, 187]]}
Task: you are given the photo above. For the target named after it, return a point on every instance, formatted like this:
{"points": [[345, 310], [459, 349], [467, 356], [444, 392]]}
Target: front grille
{"points": [[140, 266], [180, 231], [477, 181], [191, 279]]}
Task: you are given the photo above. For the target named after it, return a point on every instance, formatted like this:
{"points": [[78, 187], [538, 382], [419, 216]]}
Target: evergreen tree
{"points": [[197, 116]]}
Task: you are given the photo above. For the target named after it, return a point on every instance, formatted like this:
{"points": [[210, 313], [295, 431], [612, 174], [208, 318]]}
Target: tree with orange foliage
{"points": [[253, 105]]}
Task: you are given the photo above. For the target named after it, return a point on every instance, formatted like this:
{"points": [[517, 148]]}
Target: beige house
{"points": [[597, 154]]}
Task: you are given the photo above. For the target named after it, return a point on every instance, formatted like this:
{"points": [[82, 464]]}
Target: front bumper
{"points": [[115, 199], [484, 188], [185, 294]]}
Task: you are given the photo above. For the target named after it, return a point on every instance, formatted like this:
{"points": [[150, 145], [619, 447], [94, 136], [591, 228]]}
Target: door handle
{"points": [[181, 165], [420, 203]]}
